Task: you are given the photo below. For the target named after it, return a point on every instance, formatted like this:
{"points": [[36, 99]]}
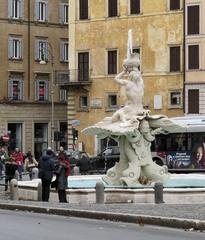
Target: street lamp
{"points": [[43, 62]]}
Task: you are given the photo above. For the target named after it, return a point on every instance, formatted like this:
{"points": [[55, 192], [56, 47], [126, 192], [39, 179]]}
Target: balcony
{"points": [[72, 78]]}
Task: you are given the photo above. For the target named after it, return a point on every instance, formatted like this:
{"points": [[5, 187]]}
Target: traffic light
{"points": [[75, 134]]}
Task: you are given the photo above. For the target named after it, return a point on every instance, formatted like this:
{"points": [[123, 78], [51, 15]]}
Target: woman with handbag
{"points": [[62, 172]]}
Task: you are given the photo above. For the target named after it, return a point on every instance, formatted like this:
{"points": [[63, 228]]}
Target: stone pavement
{"points": [[188, 216]]}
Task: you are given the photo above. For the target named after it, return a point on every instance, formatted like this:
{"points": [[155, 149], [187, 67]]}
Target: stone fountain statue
{"points": [[134, 129]]}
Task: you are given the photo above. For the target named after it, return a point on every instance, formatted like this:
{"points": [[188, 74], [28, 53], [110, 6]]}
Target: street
{"points": [[24, 225]]}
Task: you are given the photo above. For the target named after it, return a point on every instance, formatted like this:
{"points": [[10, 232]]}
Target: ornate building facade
{"points": [[97, 46], [195, 57], [32, 106]]}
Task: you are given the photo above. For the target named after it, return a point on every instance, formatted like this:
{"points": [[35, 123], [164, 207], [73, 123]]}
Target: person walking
{"points": [[62, 173], [84, 164], [10, 169], [30, 163], [46, 168], [18, 157], [3, 154]]}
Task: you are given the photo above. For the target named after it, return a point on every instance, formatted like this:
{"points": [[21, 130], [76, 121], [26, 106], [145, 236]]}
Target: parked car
{"points": [[105, 159]]}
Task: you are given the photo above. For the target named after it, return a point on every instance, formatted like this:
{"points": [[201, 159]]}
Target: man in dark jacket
{"points": [[46, 168]]}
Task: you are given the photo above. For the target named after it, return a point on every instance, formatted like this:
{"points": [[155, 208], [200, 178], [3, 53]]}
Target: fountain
{"points": [[134, 177], [134, 129]]}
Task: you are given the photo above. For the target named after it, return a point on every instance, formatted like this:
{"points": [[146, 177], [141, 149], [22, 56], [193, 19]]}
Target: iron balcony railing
{"points": [[70, 76]]}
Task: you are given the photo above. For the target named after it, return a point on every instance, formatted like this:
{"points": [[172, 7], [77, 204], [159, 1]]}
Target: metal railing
{"points": [[73, 75]]}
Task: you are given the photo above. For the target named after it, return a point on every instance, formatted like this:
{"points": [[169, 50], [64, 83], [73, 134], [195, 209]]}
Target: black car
{"points": [[105, 159]]}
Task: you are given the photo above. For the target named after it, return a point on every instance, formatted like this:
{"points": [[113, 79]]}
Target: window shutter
{"points": [[112, 6], [10, 48], [193, 57], [37, 10], [9, 8], [10, 88], [134, 6], [46, 46], [37, 55], [37, 90], [21, 9], [66, 13], [112, 62], [66, 52], [20, 48], [174, 4], [83, 7], [193, 19], [46, 11], [61, 13], [21, 86], [174, 59], [62, 51], [193, 101], [47, 86]]}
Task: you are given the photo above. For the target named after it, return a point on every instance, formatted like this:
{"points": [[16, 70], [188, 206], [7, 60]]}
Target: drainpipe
{"points": [[184, 55], [29, 51]]}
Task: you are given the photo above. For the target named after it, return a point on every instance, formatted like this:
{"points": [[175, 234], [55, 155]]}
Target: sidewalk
{"points": [[186, 216]]}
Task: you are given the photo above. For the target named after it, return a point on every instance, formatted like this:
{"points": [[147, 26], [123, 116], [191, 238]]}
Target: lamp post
{"points": [[43, 62]]}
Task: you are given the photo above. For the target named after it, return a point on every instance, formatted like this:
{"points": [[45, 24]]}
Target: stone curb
{"points": [[121, 217]]}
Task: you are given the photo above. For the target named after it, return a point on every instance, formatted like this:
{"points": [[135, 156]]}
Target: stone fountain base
{"points": [[180, 189]]}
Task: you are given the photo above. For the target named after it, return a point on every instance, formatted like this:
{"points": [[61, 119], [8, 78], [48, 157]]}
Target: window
{"points": [[15, 89], [63, 134], [64, 51], [63, 95], [41, 11], [112, 8], [42, 90], [136, 50], [175, 59], [64, 13], [112, 101], [193, 19], [16, 135], [83, 9], [174, 4], [193, 101], [134, 6], [83, 101], [193, 57], [15, 9], [83, 66], [112, 62], [15, 48], [175, 98], [41, 50]]}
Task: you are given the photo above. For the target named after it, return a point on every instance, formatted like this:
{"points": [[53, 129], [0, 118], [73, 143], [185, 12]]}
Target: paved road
{"points": [[24, 226], [189, 212]]}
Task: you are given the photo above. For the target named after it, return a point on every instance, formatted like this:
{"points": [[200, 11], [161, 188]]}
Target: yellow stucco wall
{"points": [[154, 31]]}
